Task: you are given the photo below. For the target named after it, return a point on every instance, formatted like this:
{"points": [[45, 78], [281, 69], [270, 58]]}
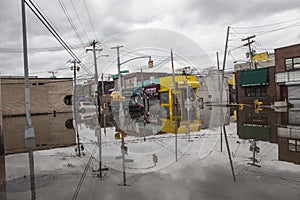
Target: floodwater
{"points": [[129, 157]]}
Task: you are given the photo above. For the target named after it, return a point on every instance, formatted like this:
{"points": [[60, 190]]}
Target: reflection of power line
{"points": [[75, 195]]}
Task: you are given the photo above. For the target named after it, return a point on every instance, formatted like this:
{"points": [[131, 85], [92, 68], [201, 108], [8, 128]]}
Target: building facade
{"points": [[255, 84], [46, 95], [287, 61]]}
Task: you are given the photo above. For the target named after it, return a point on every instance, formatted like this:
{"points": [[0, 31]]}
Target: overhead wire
{"points": [[90, 20], [78, 18], [46, 23], [62, 5]]}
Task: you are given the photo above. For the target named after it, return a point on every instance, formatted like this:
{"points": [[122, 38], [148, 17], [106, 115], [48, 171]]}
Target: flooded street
{"points": [[264, 147]]}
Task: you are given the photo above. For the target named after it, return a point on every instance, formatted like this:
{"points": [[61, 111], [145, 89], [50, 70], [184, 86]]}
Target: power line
{"points": [[90, 20], [82, 27], [40, 49], [266, 25], [62, 5], [46, 23]]}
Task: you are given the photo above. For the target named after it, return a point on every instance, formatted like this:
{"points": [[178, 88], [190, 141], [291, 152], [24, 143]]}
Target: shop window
{"points": [[164, 97], [257, 91]]}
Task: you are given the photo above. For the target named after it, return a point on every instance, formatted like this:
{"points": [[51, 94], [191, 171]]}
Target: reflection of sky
{"points": [[202, 171]]}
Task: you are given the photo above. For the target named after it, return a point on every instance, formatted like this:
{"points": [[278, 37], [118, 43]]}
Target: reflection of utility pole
{"points": [[123, 149], [255, 149], [250, 50], [75, 69], [175, 105]]}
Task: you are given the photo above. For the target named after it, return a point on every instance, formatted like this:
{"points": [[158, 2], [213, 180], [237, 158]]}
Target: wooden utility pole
{"points": [[75, 69], [224, 128], [119, 67], [221, 92], [250, 50], [98, 110]]}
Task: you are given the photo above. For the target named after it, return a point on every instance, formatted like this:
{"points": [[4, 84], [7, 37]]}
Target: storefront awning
{"points": [[254, 77]]}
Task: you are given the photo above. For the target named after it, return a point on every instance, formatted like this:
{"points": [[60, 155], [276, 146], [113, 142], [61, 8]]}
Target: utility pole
{"points": [[175, 105], [221, 92], [75, 69], [93, 44], [119, 67], [222, 114], [53, 74], [104, 114], [250, 50], [29, 130]]}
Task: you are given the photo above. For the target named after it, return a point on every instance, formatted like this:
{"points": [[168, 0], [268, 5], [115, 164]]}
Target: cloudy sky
{"points": [[194, 29]]}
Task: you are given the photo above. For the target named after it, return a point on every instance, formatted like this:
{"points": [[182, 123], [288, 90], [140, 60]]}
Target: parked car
{"points": [[129, 107], [87, 106]]}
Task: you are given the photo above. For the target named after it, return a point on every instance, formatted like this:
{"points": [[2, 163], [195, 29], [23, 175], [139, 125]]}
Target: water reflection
{"points": [[282, 128], [50, 132], [2, 168]]}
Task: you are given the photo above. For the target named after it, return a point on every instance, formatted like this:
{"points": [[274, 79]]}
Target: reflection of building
{"points": [[2, 178], [287, 60], [260, 126], [289, 137], [50, 132], [2, 169], [269, 126], [46, 95]]}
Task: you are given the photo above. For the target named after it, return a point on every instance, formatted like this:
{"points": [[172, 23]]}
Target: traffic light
{"points": [[150, 63], [241, 106]]}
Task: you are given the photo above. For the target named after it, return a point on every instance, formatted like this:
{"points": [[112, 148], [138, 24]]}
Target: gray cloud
{"points": [[203, 21]]}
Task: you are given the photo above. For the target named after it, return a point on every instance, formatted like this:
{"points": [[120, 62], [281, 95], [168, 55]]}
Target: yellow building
{"points": [[187, 95]]}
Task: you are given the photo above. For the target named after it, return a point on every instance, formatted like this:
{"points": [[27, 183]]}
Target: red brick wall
{"points": [[285, 52], [271, 90]]}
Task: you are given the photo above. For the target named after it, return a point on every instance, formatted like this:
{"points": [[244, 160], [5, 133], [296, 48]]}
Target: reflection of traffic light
{"points": [[150, 63], [257, 105]]}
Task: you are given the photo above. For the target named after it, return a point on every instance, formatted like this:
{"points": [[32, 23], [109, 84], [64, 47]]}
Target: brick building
{"points": [[46, 95], [255, 84], [287, 61]]}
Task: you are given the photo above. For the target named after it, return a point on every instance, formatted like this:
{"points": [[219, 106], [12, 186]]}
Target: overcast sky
{"points": [[194, 29]]}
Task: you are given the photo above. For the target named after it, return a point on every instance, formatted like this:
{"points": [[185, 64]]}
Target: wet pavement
{"points": [[140, 162]]}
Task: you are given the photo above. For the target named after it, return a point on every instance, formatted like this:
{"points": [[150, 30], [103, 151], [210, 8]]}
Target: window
{"points": [[292, 63], [164, 97], [68, 100], [294, 145], [257, 91]]}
